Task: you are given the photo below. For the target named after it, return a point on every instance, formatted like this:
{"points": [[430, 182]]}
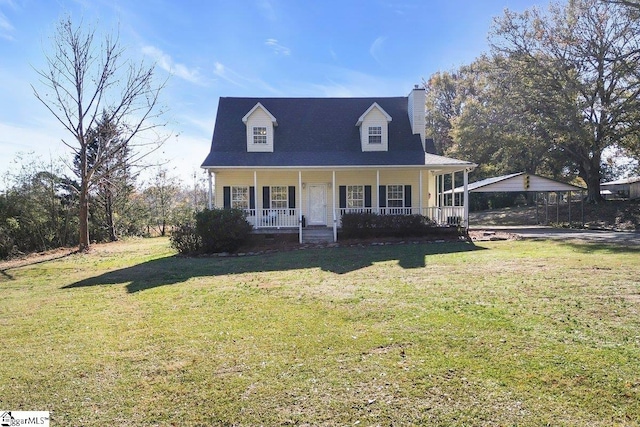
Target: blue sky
{"points": [[288, 48]]}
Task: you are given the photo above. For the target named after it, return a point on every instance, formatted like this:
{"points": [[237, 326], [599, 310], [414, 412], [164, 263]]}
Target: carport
{"points": [[523, 182]]}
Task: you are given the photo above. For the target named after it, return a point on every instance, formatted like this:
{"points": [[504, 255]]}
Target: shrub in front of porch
{"points": [[185, 239], [222, 230], [366, 224]]}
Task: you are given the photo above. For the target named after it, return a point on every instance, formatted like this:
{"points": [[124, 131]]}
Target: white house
{"points": [[300, 163]]}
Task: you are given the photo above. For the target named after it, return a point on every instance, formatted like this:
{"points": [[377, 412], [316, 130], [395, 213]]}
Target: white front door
{"points": [[317, 204]]}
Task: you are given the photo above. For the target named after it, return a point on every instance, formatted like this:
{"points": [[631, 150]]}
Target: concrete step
{"points": [[317, 235]]}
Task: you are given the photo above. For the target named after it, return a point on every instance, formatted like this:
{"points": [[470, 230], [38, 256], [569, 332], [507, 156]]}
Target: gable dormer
{"points": [[374, 129], [260, 124]]}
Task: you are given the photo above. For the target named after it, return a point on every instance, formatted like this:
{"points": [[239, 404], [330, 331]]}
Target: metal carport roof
{"points": [[517, 182]]}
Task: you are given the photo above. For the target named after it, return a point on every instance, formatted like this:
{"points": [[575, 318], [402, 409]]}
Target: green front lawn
{"points": [[501, 333]]}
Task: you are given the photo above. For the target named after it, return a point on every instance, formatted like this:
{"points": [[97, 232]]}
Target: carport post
{"points": [[582, 207], [546, 208], [569, 197]]}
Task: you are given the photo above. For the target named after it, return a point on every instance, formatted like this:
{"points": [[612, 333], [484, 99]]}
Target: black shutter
{"points": [[266, 198], [292, 197], [407, 196], [343, 196], [382, 196], [226, 196], [252, 197], [367, 196]]}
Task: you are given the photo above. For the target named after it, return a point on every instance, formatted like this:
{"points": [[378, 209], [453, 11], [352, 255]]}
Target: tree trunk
{"points": [[83, 244], [109, 215], [591, 174]]}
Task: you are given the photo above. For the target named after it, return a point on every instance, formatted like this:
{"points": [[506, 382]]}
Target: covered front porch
{"points": [[279, 200]]}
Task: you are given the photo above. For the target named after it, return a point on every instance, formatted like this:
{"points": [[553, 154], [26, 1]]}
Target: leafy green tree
{"points": [[162, 200], [495, 129], [578, 72], [109, 156], [38, 209], [444, 100]]}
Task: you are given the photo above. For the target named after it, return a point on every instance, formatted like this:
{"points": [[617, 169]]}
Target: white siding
{"points": [[259, 118], [374, 117]]}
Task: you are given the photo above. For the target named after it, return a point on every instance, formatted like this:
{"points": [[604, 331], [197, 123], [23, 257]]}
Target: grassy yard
{"points": [[512, 333]]}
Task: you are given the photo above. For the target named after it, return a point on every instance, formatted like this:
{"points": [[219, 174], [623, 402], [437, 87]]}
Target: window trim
{"points": [[284, 190], [375, 135], [260, 135], [234, 201], [401, 199], [350, 199]]}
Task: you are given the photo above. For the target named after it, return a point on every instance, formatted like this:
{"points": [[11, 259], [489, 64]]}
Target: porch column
{"points": [[300, 209], [420, 198], [441, 192], [466, 199], [453, 187], [333, 197], [210, 201], [378, 191], [255, 197]]}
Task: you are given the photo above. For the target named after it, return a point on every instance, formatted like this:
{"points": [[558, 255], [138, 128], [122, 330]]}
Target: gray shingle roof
{"points": [[313, 132]]}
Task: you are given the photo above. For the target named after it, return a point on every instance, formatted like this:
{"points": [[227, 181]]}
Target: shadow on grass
{"points": [[177, 269], [33, 259], [610, 248]]}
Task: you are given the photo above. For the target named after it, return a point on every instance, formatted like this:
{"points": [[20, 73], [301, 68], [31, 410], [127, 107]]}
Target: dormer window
{"points": [[375, 134], [260, 125], [259, 135], [374, 128]]}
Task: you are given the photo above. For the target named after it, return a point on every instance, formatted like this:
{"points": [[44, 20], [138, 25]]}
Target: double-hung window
{"points": [[240, 197], [355, 196], [259, 135], [395, 196], [279, 197], [375, 134]]}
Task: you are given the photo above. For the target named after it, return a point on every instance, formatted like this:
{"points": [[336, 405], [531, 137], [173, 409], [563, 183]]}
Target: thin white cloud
{"points": [[227, 74], [277, 48], [351, 83], [6, 29], [376, 48], [268, 10], [255, 84], [165, 62]]}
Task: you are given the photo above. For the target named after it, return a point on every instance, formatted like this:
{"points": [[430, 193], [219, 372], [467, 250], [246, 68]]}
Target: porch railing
{"points": [[273, 218], [288, 218], [441, 215]]}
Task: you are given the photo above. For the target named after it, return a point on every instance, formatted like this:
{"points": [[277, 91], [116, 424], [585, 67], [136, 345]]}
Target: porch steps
{"points": [[317, 235]]}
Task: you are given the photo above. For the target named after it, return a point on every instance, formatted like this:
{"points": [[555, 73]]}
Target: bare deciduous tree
{"points": [[86, 81]]}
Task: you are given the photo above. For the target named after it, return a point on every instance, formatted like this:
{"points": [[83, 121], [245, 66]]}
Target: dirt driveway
{"points": [[623, 238]]}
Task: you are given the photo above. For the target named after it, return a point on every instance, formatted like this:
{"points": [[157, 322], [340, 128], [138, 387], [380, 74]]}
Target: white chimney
{"points": [[416, 107]]}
